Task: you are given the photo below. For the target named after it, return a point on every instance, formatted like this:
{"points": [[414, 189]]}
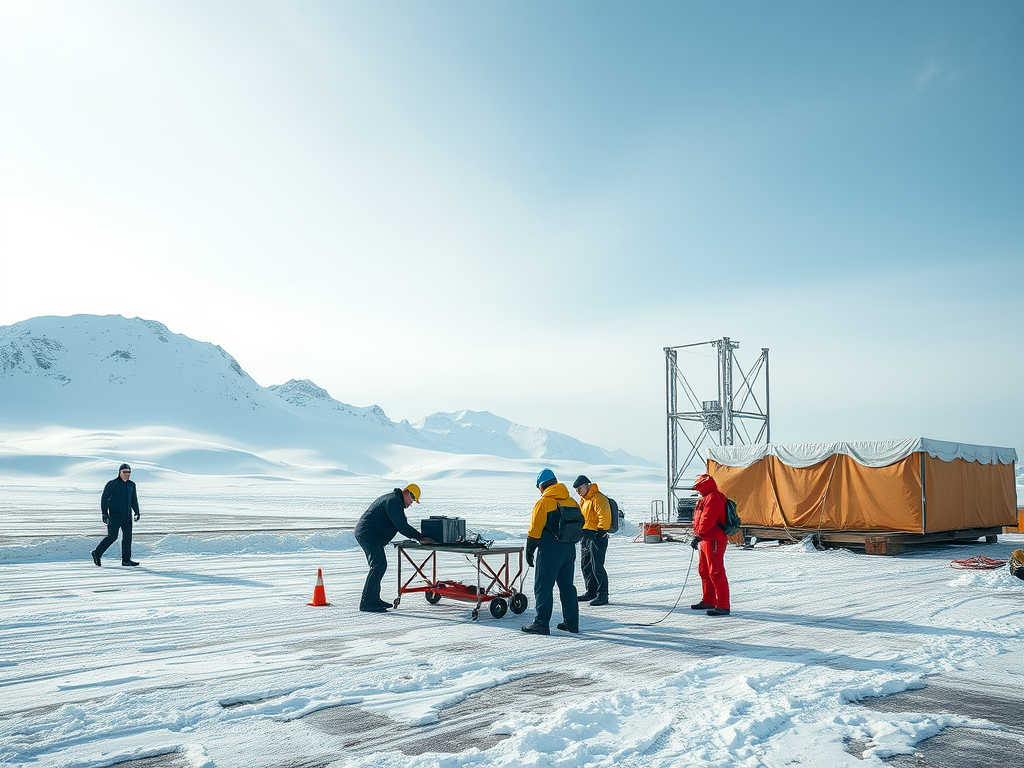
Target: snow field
{"points": [[209, 651]]}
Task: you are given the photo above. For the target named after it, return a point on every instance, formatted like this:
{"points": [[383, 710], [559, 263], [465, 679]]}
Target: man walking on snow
{"points": [[117, 503], [709, 520], [598, 515]]}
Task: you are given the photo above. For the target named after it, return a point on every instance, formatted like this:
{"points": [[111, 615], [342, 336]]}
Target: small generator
{"points": [[444, 530]]}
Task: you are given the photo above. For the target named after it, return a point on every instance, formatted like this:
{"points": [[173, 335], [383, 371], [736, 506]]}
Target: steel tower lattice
{"points": [[730, 419]]}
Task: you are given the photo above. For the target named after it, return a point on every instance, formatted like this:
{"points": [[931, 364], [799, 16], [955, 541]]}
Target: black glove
{"points": [[695, 542], [106, 518], [531, 547], [137, 517]]}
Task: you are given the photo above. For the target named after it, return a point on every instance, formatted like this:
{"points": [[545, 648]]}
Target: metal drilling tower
{"points": [[723, 421]]}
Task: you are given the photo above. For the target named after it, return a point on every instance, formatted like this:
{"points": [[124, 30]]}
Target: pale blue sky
{"points": [[516, 206]]}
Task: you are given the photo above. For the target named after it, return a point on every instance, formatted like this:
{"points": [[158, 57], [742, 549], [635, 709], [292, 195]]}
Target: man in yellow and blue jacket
{"points": [[555, 560]]}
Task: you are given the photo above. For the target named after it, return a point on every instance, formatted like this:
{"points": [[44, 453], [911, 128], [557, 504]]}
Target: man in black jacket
{"points": [[378, 525], [118, 502]]}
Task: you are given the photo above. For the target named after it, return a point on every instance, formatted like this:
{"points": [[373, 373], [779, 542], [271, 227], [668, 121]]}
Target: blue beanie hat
{"points": [[544, 476]]}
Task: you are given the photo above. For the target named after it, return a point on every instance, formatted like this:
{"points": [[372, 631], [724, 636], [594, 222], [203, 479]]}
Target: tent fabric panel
{"points": [[800, 492], [837, 494], [980, 454], [751, 489], [871, 454], [964, 494], [877, 498], [879, 453]]}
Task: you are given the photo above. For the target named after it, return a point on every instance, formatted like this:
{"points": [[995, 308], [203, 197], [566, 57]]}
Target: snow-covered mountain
{"points": [[305, 395], [109, 373], [483, 432]]}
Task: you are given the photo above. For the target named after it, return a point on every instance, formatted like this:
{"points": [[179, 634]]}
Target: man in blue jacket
{"points": [[117, 503], [378, 525]]}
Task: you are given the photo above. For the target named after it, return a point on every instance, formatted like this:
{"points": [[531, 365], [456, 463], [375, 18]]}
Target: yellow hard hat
{"points": [[414, 491]]}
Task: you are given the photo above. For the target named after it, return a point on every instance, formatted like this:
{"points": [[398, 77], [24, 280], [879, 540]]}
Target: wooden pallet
{"points": [[1019, 527], [873, 542]]}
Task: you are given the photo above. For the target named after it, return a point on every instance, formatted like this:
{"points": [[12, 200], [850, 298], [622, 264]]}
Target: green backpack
{"points": [[732, 519]]}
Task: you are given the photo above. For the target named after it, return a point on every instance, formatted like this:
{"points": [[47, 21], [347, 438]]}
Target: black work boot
{"points": [[95, 557], [536, 629]]}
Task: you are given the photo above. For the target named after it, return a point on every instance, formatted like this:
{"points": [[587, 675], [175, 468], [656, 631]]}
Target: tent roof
{"points": [[880, 453]]}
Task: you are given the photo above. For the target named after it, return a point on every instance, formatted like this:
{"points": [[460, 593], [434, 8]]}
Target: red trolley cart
{"points": [[495, 585]]}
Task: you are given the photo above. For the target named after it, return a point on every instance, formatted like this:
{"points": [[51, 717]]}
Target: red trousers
{"points": [[711, 568]]}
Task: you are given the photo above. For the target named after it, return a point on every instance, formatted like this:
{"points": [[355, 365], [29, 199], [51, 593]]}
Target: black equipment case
{"points": [[444, 530]]}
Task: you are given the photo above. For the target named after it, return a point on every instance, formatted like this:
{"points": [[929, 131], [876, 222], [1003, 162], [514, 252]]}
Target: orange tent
{"points": [[913, 486]]}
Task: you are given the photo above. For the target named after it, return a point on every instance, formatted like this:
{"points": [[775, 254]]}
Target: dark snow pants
{"points": [[118, 521], [555, 565], [373, 548], [593, 549]]}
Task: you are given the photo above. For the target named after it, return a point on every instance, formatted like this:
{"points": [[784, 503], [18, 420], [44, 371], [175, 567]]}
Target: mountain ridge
{"points": [[92, 372]]}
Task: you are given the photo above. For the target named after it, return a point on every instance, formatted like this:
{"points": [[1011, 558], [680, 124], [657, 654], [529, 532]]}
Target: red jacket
{"points": [[710, 509]]}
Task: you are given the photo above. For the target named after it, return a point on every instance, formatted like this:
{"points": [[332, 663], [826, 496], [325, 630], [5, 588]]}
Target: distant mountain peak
{"points": [[482, 432], [301, 391]]}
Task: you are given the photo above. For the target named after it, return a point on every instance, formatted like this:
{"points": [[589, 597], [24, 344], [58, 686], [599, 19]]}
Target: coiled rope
{"points": [[978, 563]]}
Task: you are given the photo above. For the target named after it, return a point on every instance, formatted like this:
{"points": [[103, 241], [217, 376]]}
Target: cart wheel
{"points": [[395, 602], [476, 614], [518, 603], [498, 607], [432, 597]]}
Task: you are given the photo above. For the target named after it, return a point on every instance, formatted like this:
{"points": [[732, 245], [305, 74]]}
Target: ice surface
{"points": [[208, 655]]}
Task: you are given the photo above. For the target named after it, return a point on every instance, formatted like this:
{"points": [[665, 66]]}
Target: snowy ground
{"points": [[207, 654]]}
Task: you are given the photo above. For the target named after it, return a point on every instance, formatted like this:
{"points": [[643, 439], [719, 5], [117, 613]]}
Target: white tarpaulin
{"points": [[879, 453]]}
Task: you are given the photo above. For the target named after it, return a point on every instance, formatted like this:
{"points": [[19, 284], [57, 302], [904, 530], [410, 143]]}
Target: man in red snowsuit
{"points": [[709, 521]]}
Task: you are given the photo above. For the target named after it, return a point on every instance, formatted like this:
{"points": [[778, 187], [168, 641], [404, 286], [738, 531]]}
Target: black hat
{"points": [[123, 466], [581, 480]]}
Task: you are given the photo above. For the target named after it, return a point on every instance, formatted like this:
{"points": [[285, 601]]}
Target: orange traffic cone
{"points": [[319, 596]]}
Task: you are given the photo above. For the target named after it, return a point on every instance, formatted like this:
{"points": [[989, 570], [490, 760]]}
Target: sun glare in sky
{"points": [[514, 207]]}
